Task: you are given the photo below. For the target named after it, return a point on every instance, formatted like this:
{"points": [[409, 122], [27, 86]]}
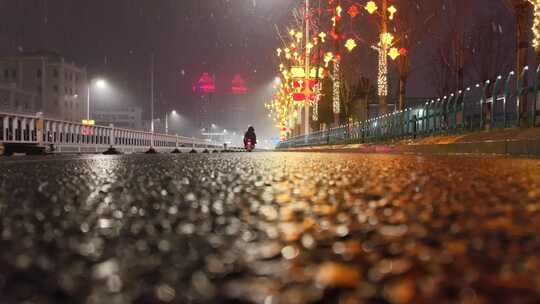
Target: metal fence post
{"points": [[495, 96], [414, 126], [507, 96], [521, 90], [483, 102], [536, 88]]}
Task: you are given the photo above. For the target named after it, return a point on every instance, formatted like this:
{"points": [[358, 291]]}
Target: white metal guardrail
{"points": [[66, 137]]}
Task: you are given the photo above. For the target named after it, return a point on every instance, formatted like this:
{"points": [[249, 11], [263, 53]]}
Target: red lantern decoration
{"points": [[298, 96]]}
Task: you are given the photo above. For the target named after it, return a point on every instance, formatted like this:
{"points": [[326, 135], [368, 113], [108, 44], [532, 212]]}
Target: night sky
{"points": [[114, 38]]}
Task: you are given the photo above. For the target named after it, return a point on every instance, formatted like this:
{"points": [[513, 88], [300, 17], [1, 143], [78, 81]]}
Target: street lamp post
{"points": [[100, 83], [173, 112], [152, 101]]}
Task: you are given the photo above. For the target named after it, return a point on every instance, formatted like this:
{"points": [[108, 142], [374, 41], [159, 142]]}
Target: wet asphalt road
{"points": [[269, 228]]}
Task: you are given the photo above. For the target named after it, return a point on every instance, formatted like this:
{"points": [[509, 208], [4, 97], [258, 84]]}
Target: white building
{"points": [[15, 100], [59, 86], [126, 117]]}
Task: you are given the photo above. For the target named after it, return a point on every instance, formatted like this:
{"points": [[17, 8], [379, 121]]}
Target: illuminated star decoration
{"points": [[350, 44], [322, 35], [393, 53], [392, 10], [371, 7], [387, 39]]}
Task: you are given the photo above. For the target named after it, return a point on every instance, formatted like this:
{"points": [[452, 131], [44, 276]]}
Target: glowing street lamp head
{"points": [[174, 112], [101, 83]]}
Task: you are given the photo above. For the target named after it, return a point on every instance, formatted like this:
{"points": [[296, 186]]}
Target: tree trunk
{"points": [[402, 92], [383, 105], [461, 65], [366, 108], [522, 33], [403, 78]]}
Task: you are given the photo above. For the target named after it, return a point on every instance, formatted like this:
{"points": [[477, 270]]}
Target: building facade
{"points": [[15, 100], [58, 86], [126, 117]]}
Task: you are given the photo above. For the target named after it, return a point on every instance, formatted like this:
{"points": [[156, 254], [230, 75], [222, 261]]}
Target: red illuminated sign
{"points": [[238, 85], [205, 85]]}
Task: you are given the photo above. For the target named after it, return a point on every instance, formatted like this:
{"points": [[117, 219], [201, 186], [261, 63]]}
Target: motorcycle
{"points": [[249, 146]]}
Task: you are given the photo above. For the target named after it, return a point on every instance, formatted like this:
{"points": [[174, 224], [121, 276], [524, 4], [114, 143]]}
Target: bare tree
{"points": [[350, 75], [444, 65], [413, 23], [448, 57], [521, 10], [488, 48]]}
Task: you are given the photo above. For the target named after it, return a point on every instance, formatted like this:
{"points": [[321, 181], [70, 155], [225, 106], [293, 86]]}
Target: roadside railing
{"points": [[65, 136], [503, 103]]}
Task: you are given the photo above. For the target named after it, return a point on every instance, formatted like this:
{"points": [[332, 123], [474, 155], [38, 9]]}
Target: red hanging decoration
{"points": [[298, 96], [403, 51], [334, 35], [353, 11]]}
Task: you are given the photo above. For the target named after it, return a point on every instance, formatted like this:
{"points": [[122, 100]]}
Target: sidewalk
{"points": [[512, 142]]}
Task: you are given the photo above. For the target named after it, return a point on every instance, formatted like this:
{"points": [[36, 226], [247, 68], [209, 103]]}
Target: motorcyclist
{"points": [[250, 135]]}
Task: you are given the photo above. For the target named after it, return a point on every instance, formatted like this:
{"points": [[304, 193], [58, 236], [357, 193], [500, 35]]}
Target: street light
{"points": [[100, 84], [173, 113]]}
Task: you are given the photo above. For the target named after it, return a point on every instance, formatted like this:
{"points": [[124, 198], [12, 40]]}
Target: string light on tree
{"points": [[315, 112], [382, 75], [387, 39], [384, 48], [336, 96], [536, 23], [327, 58]]}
